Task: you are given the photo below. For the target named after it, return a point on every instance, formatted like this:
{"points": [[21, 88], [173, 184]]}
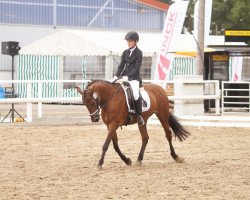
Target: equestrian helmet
{"points": [[132, 35]]}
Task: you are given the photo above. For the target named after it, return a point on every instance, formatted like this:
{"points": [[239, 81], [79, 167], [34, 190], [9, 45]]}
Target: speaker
{"points": [[10, 48]]}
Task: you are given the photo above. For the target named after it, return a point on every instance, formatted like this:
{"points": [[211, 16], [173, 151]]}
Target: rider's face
{"points": [[131, 43]]}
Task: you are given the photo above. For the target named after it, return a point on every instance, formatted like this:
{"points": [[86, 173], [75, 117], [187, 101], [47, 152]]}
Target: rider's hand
{"points": [[120, 81], [124, 78], [114, 78]]}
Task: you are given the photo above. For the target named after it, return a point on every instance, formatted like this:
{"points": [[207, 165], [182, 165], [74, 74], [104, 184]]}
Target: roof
{"points": [[235, 50], [104, 43], [155, 4], [90, 43]]}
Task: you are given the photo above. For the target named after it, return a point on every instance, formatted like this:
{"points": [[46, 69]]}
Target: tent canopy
{"points": [[90, 43], [104, 43]]}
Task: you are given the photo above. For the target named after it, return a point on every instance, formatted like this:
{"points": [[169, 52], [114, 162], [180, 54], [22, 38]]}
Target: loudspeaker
{"points": [[10, 48]]}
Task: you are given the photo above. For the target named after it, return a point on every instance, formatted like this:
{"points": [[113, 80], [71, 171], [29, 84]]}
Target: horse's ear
{"points": [[79, 90]]}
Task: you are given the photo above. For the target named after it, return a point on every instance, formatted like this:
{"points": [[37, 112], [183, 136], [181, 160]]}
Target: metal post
{"points": [[54, 13], [109, 67], [12, 92], [29, 105], [200, 39], [217, 101], [222, 97], [40, 108]]}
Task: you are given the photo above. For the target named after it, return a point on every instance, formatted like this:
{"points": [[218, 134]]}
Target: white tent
{"points": [[43, 59], [90, 43], [102, 43]]}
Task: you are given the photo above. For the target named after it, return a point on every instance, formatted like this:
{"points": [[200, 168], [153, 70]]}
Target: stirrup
{"points": [[140, 120]]}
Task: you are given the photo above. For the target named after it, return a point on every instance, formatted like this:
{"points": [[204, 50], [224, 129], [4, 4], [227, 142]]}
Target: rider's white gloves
{"points": [[123, 79], [114, 78]]}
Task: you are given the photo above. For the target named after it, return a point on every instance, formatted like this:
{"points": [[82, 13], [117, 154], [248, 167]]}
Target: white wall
{"points": [[5, 76], [22, 34]]}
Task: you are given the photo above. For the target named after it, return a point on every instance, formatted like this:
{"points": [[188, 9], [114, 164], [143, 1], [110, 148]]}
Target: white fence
{"points": [[235, 96], [39, 99]]}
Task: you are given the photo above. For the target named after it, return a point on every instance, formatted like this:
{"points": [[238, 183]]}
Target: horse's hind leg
{"points": [[144, 137], [168, 134], [117, 149]]}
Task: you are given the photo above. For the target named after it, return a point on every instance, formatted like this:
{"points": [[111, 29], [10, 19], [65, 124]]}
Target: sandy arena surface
{"points": [[59, 162]]}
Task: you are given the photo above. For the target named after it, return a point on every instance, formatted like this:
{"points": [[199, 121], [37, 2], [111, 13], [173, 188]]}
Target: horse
{"points": [[109, 98]]}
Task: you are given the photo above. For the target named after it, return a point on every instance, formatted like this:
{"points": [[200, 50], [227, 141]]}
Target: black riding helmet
{"points": [[132, 35]]}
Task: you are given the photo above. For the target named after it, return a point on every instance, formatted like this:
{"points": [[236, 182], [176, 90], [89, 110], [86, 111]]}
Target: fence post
{"points": [[29, 105], [40, 105], [217, 100]]}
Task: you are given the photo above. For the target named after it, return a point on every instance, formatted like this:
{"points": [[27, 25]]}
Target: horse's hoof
{"points": [[139, 163], [129, 162], [179, 160], [99, 167]]}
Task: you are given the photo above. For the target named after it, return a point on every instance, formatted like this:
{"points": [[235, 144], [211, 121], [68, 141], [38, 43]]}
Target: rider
{"points": [[129, 70]]}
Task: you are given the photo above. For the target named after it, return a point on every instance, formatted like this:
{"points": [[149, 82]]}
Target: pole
{"points": [[200, 39], [12, 92]]}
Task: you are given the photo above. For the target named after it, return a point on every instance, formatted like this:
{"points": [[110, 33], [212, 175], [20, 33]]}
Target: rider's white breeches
{"points": [[135, 87]]}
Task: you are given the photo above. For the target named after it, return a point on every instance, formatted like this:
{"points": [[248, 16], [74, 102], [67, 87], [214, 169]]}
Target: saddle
{"points": [[130, 98]]}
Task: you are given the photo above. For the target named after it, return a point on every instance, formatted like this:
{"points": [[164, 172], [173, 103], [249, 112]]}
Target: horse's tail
{"points": [[180, 132]]}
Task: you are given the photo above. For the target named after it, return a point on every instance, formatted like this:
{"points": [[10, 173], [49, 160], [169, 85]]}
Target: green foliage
{"points": [[189, 20], [226, 14], [240, 14]]}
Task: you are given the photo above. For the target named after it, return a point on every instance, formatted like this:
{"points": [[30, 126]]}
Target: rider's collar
{"points": [[133, 48]]}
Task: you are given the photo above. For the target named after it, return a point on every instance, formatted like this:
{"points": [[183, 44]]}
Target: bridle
{"points": [[95, 113], [97, 103]]}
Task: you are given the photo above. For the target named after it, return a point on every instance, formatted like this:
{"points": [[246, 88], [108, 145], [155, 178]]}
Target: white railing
{"points": [[235, 99], [39, 99]]}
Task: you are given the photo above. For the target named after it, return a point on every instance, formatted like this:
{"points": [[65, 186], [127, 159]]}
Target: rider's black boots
{"points": [[138, 111]]}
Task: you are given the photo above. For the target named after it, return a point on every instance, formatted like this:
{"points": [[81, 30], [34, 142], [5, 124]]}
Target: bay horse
{"points": [[110, 99]]}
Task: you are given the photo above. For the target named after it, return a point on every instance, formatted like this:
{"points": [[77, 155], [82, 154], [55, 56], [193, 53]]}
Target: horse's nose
{"points": [[95, 119]]}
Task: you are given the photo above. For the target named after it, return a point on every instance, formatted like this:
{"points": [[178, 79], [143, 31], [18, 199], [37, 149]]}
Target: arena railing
{"points": [[29, 100], [235, 96]]}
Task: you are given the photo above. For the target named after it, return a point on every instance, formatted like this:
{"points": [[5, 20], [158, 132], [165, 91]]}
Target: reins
{"points": [[110, 98]]}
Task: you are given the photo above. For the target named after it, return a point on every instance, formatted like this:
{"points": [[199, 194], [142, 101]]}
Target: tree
{"points": [[189, 20], [220, 13], [230, 14], [226, 14], [240, 14]]}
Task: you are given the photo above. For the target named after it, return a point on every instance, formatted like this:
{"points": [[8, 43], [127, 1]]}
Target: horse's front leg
{"points": [[112, 131], [104, 149], [117, 149], [144, 137]]}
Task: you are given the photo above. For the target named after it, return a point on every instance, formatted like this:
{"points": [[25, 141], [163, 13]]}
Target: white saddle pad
{"points": [[145, 97]]}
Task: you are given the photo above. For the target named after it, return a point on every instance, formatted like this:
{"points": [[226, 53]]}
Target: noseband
{"points": [[96, 113]]}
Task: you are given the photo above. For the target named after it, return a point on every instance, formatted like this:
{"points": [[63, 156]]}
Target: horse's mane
{"points": [[101, 81]]}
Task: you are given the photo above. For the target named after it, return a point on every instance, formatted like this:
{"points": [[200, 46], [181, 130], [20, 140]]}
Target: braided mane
{"points": [[101, 81]]}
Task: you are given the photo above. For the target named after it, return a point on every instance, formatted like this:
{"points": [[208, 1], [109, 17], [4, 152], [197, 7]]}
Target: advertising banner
{"points": [[172, 29]]}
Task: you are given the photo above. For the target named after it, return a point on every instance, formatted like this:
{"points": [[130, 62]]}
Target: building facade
{"points": [[27, 21]]}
